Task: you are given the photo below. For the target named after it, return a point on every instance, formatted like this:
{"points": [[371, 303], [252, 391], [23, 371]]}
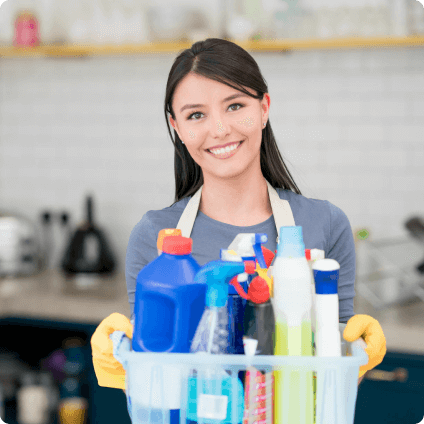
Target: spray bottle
{"points": [[211, 335], [211, 390], [259, 327], [248, 248], [292, 305]]}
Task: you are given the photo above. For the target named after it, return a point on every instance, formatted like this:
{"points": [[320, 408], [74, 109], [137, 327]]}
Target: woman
{"points": [[228, 170]]}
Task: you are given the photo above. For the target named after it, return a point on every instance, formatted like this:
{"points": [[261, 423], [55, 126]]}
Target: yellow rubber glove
{"points": [[370, 330], [109, 371]]}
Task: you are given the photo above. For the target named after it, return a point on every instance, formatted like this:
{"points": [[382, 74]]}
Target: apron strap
{"points": [[281, 211], [186, 222]]}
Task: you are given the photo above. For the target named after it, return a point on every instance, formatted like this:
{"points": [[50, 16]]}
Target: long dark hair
{"points": [[228, 63]]}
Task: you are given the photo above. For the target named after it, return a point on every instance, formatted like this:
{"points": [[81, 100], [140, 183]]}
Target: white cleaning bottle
{"points": [[312, 255], [292, 307], [329, 399], [326, 275]]}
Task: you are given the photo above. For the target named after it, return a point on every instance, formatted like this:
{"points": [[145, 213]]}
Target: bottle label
{"points": [[212, 406], [258, 398]]}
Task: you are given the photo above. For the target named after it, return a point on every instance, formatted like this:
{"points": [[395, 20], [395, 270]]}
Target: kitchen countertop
{"points": [[51, 296]]}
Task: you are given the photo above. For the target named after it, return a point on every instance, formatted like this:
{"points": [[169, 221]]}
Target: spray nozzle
{"points": [[217, 275], [258, 291], [248, 245]]}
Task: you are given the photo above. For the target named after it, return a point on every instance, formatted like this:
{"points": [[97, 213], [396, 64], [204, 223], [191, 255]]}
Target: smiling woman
{"points": [[215, 137], [230, 179]]}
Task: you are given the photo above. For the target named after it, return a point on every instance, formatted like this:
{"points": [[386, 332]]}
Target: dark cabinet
{"points": [[393, 392], [34, 340]]}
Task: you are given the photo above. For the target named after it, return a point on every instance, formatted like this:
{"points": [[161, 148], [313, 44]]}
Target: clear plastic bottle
{"points": [[211, 335], [210, 390]]}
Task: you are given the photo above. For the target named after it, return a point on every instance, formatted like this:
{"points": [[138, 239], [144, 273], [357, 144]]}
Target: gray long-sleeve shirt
{"points": [[324, 226]]}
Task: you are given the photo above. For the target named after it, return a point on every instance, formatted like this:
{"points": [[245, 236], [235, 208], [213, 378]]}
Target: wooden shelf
{"points": [[75, 51]]}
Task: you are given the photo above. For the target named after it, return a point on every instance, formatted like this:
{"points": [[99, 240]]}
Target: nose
{"points": [[219, 127]]}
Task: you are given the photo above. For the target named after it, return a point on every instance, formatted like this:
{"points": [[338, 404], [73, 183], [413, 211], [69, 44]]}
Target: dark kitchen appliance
{"points": [[88, 250], [415, 225]]}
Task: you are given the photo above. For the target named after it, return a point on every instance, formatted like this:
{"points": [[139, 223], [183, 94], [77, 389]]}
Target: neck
{"points": [[241, 201]]}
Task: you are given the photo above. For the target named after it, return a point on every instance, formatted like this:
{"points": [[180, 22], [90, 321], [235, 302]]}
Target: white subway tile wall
{"points": [[349, 125]]}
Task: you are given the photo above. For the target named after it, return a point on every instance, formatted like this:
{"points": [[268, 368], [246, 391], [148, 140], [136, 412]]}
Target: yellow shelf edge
{"points": [[175, 47]]}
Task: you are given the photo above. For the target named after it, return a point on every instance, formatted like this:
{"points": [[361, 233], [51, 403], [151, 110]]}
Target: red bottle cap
{"points": [[249, 267], [258, 290], [177, 245], [308, 254]]}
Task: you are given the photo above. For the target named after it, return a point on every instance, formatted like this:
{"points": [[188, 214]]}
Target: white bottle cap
{"points": [[326, 265], [250, 346]]}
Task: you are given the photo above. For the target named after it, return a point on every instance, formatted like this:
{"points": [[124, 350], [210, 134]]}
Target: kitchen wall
{"points": [[349, 124]]}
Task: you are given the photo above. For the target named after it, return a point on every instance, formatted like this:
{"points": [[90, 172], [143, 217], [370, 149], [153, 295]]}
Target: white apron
{"points": [[281, 211]]}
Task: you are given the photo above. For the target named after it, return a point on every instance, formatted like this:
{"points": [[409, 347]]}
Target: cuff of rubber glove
{"points": [[104, 379]]}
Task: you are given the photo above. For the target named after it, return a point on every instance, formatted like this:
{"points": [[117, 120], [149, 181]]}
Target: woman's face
{"points": [[208, 119]]}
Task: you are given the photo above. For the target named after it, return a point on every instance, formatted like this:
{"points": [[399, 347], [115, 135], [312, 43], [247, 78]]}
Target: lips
{"points": [[223, 146], [226, 155]]}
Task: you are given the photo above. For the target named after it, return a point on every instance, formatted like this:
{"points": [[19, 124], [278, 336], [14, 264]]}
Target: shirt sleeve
{"points": [[141, 250], [341, 247]]}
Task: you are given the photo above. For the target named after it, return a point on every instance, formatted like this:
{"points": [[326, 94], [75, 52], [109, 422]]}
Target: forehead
{"points": [[193, 85]]}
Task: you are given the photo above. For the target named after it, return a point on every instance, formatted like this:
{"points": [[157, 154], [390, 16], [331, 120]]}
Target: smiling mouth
{"points": [[227, 152]]}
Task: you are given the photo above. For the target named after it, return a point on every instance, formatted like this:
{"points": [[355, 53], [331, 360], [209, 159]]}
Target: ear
{"points": [[174, 125], [266, 103]]}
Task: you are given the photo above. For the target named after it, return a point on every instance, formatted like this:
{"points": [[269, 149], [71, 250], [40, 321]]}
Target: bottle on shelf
{"points": [[32, 401]]}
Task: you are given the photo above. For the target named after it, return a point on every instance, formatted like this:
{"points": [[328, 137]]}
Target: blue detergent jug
{"points": [[167, 310], [168, 302]]}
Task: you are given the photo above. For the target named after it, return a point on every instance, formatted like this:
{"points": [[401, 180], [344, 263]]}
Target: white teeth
{"points": [[226, 150]]}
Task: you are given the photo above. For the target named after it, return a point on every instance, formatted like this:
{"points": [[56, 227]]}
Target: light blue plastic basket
{"points": [[151, 377]]}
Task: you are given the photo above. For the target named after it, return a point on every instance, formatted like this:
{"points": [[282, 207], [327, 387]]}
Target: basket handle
{"points": [[121, 345], [358, 350]]}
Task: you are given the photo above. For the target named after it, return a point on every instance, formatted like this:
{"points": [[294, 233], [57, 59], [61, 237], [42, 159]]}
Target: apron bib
{"points": [[281, 211]]}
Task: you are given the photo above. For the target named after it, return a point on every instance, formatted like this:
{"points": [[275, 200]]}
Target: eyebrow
{"points": [[234, 96]]}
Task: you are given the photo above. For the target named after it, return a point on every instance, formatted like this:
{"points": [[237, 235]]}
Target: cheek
{"points": [[192, 135], [247, 122]]}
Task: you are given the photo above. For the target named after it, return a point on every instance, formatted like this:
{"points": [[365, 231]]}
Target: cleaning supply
{"points": [[210, 390], [248, 248], [326, 275], [212, 333], [327, 335], [370, 330], [258, 404], [169, 303], [165, 233], [258, 320], [259, 327], [312, 255], [294, 400]]}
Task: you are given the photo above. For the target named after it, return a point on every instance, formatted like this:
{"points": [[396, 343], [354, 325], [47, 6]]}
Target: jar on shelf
{"points": [[26, 30]]}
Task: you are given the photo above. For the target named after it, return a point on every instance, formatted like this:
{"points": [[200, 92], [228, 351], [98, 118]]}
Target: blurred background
{"points": [[85, 152]]}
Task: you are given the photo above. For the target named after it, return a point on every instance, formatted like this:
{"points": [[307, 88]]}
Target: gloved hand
{"points": [[370, 330], [109, 371]]}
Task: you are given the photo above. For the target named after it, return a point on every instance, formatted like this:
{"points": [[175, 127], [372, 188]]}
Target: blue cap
{"points": [[217, 274], [291, 243], [326, 281]]}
